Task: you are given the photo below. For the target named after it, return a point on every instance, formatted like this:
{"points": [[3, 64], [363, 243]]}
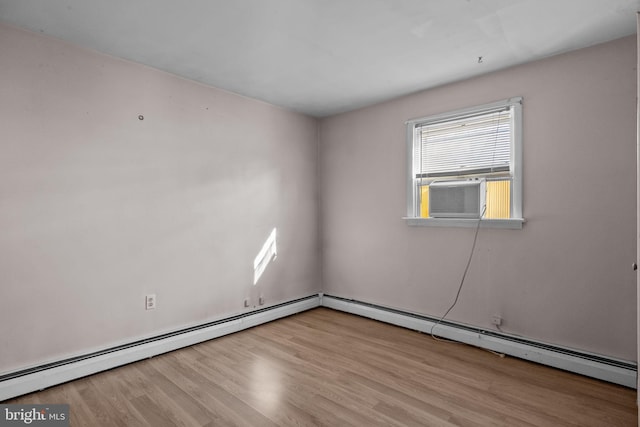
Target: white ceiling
{"points": [[323, 57]]}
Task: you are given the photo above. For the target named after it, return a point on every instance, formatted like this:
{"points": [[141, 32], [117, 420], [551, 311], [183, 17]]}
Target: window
{"points": [[466, 164]]}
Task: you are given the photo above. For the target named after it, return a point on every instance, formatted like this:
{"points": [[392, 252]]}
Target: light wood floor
{"points": [[328, 368]]}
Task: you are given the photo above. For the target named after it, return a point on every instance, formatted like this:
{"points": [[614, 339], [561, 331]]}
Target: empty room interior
{"points": [[284, 212]]}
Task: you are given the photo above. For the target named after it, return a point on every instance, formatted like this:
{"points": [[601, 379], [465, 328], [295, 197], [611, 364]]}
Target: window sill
{"points": [[513, 223]]}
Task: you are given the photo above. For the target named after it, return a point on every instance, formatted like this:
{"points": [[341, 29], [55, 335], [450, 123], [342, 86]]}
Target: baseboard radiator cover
{"points": [[40, 377], [592, 365]]}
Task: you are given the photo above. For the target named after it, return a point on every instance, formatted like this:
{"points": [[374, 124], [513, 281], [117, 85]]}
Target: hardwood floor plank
{"points": [[110, 389], [326, 368], [210, 393]]}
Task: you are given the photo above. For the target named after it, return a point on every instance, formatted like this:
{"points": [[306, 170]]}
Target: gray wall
{"points": [[98, 208], [566, 277]]}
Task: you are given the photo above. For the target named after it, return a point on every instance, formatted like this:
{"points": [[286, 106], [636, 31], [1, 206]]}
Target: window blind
{"points": [[473, 144]]}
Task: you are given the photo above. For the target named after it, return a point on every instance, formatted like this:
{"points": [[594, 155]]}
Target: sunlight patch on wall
{"points": [[267, 254]]}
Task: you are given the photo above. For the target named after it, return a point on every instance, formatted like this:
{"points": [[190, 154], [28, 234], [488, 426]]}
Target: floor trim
{"points": [[592, 365], [40, 377]]}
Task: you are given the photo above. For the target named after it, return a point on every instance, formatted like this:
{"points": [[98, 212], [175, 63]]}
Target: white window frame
{"points": [[516, 220]]}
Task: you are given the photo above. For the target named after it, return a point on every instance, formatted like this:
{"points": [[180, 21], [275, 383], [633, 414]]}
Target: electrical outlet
{"points": [[496, 320], [261, 300], [150, 301], [247, 303]]}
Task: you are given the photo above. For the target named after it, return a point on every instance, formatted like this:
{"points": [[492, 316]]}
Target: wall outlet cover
{"points": [[150, 301]]}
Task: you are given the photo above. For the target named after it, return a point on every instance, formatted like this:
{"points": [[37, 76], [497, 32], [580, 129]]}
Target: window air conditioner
{"points": [[457, 199]]}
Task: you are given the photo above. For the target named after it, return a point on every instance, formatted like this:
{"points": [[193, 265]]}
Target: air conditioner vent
{"points": [[456, 199]]}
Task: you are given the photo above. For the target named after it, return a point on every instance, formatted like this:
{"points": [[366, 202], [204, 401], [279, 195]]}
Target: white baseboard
{"points": [[591, 365], [81, 367], [603, 368]]}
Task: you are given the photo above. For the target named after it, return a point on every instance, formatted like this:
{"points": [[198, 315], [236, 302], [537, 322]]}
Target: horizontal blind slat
{"points": [[476, 142]]}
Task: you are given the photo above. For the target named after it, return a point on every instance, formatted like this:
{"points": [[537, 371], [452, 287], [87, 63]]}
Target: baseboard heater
{"points": [[592, 365], [47, 375], [40, 377]]}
